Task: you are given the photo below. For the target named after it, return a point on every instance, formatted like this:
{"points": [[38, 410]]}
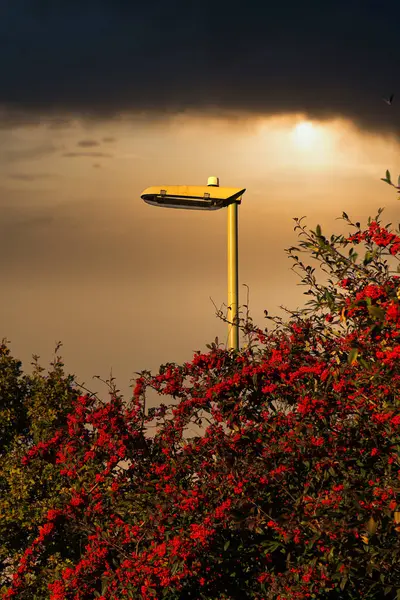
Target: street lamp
{"points": [[209, 197]]}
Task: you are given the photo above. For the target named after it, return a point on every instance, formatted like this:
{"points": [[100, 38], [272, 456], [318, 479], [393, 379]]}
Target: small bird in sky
{"points": [[389, 100]]}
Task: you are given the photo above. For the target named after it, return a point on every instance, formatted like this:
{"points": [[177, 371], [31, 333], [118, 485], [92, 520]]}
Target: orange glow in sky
{"points": [[90, 264]]}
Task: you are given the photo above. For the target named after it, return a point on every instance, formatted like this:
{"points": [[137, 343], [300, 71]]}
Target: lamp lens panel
{"points": [[185, 203]]}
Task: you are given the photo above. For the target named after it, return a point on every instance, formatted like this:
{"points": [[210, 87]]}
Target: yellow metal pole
{"points": [[233, 277]]}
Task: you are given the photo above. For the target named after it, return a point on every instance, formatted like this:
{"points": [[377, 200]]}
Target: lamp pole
{"points": [[202, 198], [233, 277], [233, 270]]}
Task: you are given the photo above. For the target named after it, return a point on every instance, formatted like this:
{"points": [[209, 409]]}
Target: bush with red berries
{"points": [[274, 472]]}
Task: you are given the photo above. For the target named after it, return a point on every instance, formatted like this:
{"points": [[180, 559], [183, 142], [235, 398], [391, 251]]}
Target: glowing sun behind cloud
{"points": [[313, 145], [305, 135]]}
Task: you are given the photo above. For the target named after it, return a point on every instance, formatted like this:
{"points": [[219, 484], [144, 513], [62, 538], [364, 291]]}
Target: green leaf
{"points": [[376, 312], [329, 298], [352, 357], [175, 567], [226, 545], [372, 526], [387, 179], [387, 589], [318, 230], [272, 546], [368, 257]]}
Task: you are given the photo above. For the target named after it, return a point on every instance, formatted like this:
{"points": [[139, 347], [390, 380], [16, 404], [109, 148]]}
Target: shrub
{"points": [[290, 487]]}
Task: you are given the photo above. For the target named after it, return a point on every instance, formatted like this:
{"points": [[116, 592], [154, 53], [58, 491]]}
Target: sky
{"points": [[100, 99]]}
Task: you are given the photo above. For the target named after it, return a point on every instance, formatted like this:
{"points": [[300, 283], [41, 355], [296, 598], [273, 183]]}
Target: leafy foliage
{"points": [[32, 409]]}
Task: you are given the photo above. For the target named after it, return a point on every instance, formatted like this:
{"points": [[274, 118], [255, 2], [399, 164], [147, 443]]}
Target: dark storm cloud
{"points": [[101, 58], [88, 143]]}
